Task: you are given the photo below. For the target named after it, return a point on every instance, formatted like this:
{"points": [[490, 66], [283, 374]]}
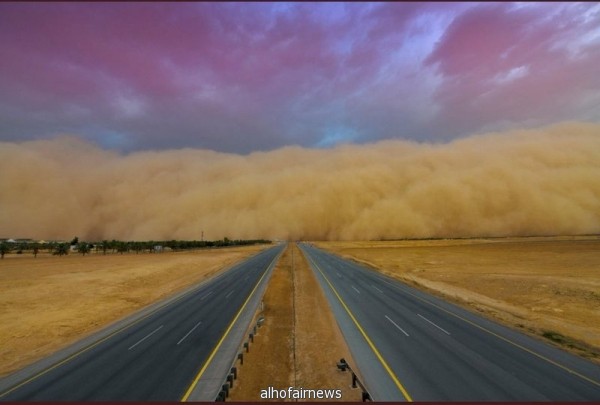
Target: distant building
{"points": [[11, 240]]}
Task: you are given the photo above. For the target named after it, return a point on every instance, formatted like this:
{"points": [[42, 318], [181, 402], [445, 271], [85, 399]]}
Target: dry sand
{"points": [[48, 302], [294, 351], [547, 286]]}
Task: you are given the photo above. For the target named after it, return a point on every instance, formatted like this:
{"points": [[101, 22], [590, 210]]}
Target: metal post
{"points": [[225, 387]]}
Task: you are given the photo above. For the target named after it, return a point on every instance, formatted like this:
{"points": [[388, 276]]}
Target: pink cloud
{"points": [[247, 76], [488, 43]]}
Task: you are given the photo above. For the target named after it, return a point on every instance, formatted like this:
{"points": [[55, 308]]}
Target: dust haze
{"points": [[533, 182]]}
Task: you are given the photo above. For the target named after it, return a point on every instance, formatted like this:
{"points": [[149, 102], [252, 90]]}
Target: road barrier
{"points": [[343, 366], [224, 393]]}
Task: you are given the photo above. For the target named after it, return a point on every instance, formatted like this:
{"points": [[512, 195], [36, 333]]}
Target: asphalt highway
{"points": [[157, 357], [412, 346]]}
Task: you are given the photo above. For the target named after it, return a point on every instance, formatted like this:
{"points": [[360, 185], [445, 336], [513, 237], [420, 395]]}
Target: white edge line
{"points": [[485, 329], [187, 334], [146, 337], [396, 325], [442, 329]]}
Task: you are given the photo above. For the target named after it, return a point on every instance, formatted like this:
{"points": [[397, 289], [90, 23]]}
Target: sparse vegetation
{"points": [[104, 246], [50, 302], [60, 248], [556, 337], [546, 286], [4, 249], [83, 248], [571, 343]]}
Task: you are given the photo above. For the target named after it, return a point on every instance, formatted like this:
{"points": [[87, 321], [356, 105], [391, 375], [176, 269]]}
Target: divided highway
{"points": [[412, 346], [157, 357]]}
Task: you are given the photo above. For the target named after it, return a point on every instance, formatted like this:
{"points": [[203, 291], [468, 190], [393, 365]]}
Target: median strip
{"points": [[294, 352]]}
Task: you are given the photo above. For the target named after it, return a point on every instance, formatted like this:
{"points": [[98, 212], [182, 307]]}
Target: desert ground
{"points": [[48, 302], [299, 343], [545, 286]]}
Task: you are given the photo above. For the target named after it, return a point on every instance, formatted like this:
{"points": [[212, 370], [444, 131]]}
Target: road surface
{"points": [[157, 357], [410, 345]]}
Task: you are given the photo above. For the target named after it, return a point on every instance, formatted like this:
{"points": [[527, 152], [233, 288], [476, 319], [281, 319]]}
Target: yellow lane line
{"points": [[362, 331], [502, 338], [87, 348], [214, 352]]}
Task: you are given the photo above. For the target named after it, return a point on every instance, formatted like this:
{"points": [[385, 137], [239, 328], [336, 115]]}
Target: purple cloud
{"points": [[240, 77], [501, 64]]}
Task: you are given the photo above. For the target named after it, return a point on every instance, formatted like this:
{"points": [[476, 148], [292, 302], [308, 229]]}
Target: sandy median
{"points": [[299, 343]]}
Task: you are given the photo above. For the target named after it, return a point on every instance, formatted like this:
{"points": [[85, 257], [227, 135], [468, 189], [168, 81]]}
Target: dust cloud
{"points": [[531, 182]]}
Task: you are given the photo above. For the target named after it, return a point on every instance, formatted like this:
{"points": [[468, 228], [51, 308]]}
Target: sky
{"points": [[248, 77]]}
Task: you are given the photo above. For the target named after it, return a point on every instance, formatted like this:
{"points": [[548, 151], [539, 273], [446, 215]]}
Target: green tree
{"points": [[83, 248], [137, 247], [173, 244], [36, 249], [61, 249], [4, 249], [75, 241], [122, 247]]}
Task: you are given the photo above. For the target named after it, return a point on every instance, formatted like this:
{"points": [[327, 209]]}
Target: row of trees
{"points": [[117, 246]]}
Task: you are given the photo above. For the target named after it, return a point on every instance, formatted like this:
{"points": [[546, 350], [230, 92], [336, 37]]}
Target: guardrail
{"points": [[343, 366], [228, 384]]}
